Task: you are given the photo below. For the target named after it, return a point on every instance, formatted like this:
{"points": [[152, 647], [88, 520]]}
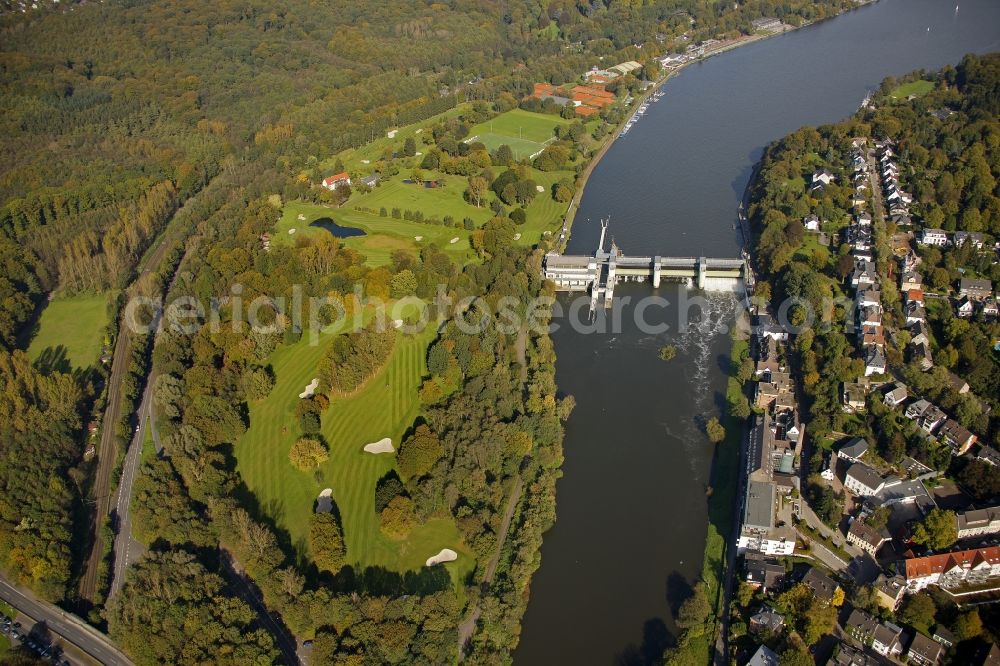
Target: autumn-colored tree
{"points": [[398, 518], [326, 542], [308, 453], [419, 452]]}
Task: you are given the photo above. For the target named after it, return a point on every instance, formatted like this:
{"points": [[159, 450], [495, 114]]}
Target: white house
{"points": [[936, 237], [811, 223], [863, 480], [950, 570], [336, 180], [874, 361], [824, 177]]}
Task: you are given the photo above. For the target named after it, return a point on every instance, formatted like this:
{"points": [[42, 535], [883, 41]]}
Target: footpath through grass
{"points": [[385, 407], [71, 328]]}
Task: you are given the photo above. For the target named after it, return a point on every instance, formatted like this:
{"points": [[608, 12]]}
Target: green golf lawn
{"points": [[917, 88], [521, 124], [74, 325], [385, 407]]}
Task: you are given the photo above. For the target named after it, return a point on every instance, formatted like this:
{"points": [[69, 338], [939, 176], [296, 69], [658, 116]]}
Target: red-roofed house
{"points": [[336, 180], [968, 567], [915, 296]]}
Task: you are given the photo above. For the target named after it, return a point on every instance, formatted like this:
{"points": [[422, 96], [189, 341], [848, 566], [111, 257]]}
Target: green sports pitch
{"points": [[525, 132]]}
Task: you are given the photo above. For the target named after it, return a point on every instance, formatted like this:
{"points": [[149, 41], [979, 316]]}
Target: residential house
{"points": [[901, 220], [868, 296], [763, 657], [871, 316], [936, 237], [872, 335], [921, 352], [958, 438], [855, 396], [916, 409], [336, 180], [924, 651], [990, 656], [903, 491], [944, 637], [767, 621], [932, 417], [370, 181], [960, 385], [866, 537], [975, 289], [952, 570], [973, 237], [914, 467], [988, 455], [763, 574], [889, 591], [767, 358], [822, 178], [874, 361], [910, 280], [848, 655], [895, 396], [861, 626], [811, 223], [888, 640], [864, 274], [915, 296], [978, 522], [990, 309], [863, 480], [915, 312], [822, 586], [853, 451], [965, 308], [765, 326], [864, 219]]}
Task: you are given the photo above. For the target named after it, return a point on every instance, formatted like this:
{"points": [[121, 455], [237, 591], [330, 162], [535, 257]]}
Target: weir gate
{"points": [[599, 273]]}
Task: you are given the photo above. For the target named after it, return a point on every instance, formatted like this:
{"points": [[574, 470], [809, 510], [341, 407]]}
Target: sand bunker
{"points": [[517, 237], [454, 240], [383, 445], [418, 238], [417, 154], [310, 389], [324, 503], [366, 161], [396, 323], [391, 134], [419, 130], [291, 231], [540, 188], [446, 555], [301, 217]]}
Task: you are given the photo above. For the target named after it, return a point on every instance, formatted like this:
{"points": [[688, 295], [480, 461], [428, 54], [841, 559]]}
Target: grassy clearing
{"points": [[71, 327], [522, 148], [915, 88], [519, 124], [385, 407], [384, 234]]}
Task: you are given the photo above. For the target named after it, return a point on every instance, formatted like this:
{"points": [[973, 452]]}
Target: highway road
{"points": [[71, 628]]}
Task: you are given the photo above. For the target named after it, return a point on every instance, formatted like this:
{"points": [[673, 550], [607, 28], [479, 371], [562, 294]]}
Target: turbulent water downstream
{"points": [[632, 510]]}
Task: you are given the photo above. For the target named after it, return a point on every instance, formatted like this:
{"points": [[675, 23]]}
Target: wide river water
{"points": [[632, 515]]}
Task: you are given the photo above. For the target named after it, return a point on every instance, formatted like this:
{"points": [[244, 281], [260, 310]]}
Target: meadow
{"points": [[917, 88], [71, 328], [385, 406]]}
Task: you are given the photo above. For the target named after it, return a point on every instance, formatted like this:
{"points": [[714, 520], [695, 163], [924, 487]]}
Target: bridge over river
{"points": [[600, 272]]}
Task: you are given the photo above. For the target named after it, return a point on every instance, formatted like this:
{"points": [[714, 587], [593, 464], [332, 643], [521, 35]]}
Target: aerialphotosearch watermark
{"points": [[312, 316]]}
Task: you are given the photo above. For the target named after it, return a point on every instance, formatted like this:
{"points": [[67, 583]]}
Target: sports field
{"points": [[525, 132], [385, 407], [72, 328]]}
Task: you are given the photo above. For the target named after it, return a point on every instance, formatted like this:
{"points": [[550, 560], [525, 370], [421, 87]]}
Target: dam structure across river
{"points": [[600, 272]]}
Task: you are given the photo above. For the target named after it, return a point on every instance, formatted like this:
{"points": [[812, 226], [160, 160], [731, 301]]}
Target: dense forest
{"points": [[947, 142]]}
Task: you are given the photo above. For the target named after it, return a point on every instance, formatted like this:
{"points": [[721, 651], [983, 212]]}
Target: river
{"points": [[632, 514]]}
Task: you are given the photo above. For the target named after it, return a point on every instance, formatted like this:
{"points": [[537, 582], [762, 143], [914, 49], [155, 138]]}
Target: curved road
{"points": [[71, 628]]}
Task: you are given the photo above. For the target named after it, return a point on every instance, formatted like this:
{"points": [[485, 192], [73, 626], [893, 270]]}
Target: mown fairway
{"points": [[385, 407], [71, 328]]}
